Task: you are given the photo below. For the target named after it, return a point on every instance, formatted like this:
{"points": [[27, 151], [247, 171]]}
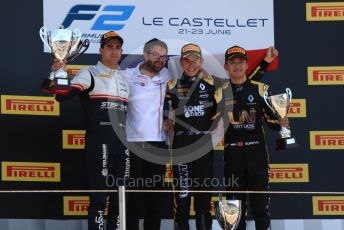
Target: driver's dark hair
{"points": [[154, 42]]}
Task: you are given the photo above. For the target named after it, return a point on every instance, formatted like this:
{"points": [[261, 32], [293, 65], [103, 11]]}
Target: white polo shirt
{"points": [[145, 105]]}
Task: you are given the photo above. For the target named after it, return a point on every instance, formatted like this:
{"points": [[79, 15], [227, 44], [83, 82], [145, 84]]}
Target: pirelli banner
{"points": [[325, 11], [42, 141], [30, 171], [26, 105]]}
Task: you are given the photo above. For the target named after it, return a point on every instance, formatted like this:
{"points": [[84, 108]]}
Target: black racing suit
{"points": [[103, 94], [195, 106], [246, 156]]}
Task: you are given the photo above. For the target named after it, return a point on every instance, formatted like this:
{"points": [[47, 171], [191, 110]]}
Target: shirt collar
{"points": [[190, 78], [138, 72], [107, 69], [238, 87]]}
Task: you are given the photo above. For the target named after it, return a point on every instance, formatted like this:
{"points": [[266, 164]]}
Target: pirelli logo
{"points": [[328, 205], [29, 105], [30, 171], [326, 75], [73, 139], [326, 139], [289, 173], [325, 11], [72, 70], [220, 145], [77, 205], [191, 48], [297, 108]]}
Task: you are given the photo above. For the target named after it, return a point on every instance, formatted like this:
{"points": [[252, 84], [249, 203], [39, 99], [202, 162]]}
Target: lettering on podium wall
{"points": [[77, 205], [325, 11], [326, 140], [328, 205], [30, 171], [297, 108], [29, 105], [73, 139], [326, 75], [288, 173]]}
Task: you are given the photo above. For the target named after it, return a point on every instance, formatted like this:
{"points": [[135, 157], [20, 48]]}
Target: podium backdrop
{"points": [[41, 141]]}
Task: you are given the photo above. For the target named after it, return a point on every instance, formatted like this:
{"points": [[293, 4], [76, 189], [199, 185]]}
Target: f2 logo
{"points": [[104, 21]]}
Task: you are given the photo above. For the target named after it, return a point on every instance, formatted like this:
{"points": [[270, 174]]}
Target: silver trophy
{"points": [[228, 213], [279, 105], [64, 44]]}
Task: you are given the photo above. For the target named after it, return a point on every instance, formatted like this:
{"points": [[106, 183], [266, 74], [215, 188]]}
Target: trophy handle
{"points": [[218, 215], [43, 32], [85, 44], [76, 38], [82, 44], [266, 98], [289, 94]]}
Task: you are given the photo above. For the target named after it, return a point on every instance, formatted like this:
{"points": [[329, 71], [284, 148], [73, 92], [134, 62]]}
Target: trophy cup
{"points": [[279, 105], [228, 213], [64, 44]]}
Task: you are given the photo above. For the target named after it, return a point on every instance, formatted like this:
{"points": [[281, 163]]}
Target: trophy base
{"points": [[60, 86], [64, 91], [286, 143]]}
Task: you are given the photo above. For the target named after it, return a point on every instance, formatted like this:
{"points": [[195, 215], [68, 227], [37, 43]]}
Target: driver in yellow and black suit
{"points": [[246, 156], [195, 98]]}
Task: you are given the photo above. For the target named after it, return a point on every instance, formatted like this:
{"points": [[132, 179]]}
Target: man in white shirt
{"points": [[145, 131]]}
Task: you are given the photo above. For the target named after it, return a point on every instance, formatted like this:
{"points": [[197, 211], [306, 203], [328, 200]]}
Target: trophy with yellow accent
{"points": [[228, 213], [279, 105]]}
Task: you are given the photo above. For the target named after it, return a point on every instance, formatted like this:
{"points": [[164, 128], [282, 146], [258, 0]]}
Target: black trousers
{"points": [[195, 175], [247, 167], [147, 176], [108, 166]]}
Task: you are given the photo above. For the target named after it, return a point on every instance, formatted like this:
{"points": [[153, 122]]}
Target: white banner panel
{"points": [[214, 25]]}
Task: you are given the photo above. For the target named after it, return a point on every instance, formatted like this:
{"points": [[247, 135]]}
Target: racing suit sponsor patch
{"points": [[194, 111]]}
